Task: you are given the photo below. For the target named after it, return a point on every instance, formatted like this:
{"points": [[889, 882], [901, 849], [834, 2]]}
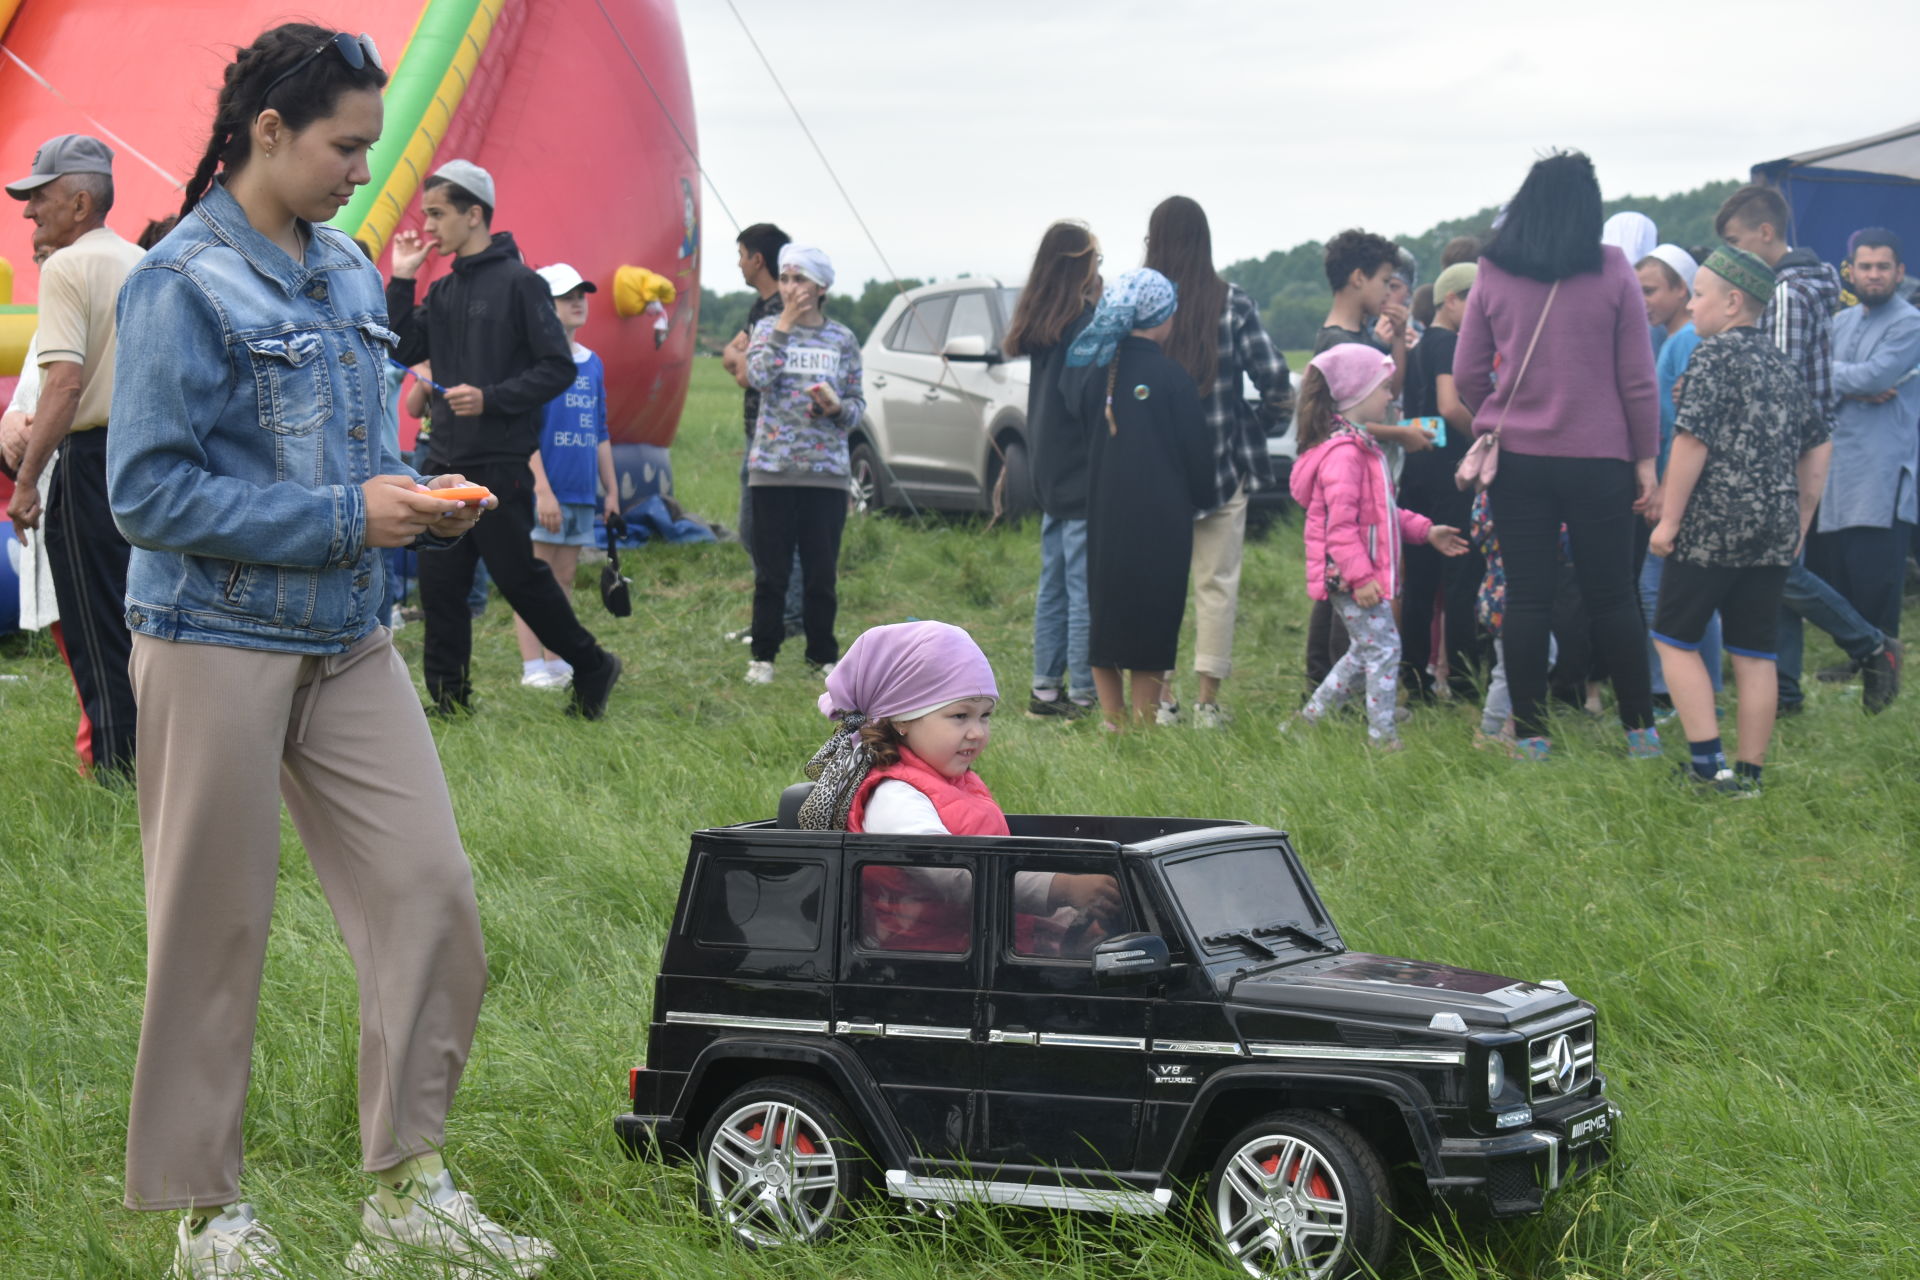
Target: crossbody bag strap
{"points": [[1526, 359]]}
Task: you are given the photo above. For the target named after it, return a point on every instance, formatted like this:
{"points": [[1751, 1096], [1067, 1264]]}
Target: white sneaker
{"points": [[234, 1246], [539, 679], [1208, 715], [1167, 714], [446, 1229], [560, 670], [759, 673]]}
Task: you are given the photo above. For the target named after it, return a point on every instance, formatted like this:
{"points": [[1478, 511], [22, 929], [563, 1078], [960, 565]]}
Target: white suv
{"points": [[946, 411]]}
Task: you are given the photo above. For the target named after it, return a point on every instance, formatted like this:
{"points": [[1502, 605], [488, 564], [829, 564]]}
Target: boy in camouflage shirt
{"points": [[1749, 461]]}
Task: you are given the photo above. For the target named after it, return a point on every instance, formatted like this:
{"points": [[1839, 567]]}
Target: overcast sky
{"points": [[962, 127]]}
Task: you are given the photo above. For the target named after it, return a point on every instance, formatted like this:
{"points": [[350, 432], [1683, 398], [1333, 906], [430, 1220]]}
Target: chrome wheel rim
{"points": [[862, 488], [1281, 1209], [772, 1175]]}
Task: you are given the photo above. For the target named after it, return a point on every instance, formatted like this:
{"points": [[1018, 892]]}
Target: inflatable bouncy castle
{"points": [[581, 110]]}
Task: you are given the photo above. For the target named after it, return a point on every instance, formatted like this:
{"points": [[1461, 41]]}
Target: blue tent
{"points": [[1835, 191]]}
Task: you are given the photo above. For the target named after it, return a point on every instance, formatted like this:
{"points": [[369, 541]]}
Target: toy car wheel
{"points": [[779, 1164], [1301, 1193]]}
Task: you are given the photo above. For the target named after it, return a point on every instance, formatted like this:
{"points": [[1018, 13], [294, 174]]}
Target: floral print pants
{"points": [[1372, 660]]}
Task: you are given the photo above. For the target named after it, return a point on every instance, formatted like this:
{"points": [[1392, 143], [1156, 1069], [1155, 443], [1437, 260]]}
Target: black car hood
{"points": [[1356, 983]]}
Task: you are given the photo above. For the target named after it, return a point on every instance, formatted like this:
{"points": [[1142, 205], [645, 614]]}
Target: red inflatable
{"points": [[578, 108]]}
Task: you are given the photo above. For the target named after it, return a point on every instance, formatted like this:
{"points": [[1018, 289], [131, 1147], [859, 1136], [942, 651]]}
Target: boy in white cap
{"points": [[499, 375], [575, 458]]}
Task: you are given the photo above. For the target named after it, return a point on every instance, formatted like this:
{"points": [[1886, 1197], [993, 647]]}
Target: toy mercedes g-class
{"points": [[837, 1011]]}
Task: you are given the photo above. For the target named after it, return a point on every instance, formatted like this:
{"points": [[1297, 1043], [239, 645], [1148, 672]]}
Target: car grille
{"points": [[1560, 1064]]}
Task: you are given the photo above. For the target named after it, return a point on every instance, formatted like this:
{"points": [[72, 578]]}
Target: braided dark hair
{"points": [[309, 94]]}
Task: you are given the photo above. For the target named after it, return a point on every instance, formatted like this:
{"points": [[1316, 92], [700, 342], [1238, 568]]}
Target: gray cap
{"points": [[68, 153], [465, 173]]}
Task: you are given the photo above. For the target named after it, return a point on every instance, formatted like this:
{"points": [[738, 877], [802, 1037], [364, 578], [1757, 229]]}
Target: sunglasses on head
{"points": [[356, 51]]}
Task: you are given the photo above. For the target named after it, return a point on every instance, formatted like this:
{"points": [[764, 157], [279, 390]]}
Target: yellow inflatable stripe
{"points": [[415, 162]]}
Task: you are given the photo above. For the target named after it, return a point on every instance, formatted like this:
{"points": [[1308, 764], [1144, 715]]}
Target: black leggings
{"points": [[786, 519], [1593, 497]]}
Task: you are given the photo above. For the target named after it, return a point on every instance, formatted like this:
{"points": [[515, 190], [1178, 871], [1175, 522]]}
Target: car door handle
{"points": [[879, 379], [860, 1027]]}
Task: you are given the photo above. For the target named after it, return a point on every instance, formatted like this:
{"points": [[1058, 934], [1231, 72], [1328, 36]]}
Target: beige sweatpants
{"points": [[1219, 538], [224, 734]]}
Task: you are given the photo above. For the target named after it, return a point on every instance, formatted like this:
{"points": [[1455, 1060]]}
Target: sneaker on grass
{"points": [[1058, 707], [1208, 715], [759, 673], [235, 1245], [1880, 677], [443, 1233]]}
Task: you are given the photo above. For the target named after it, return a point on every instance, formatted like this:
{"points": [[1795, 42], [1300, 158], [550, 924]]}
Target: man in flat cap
{"points": [[67, 197]]}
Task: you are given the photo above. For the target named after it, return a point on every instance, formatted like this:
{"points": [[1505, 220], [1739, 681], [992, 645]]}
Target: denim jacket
{"points": [[249, 395]]}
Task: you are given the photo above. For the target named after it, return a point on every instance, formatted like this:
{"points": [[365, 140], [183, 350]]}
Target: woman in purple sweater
{"points": [[1580, 436]]}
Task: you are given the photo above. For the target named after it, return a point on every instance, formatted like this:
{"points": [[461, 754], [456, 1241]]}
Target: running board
{"points": [[905, 1186]]}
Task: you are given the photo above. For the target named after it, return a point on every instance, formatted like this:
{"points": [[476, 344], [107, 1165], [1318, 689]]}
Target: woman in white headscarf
{"points": [[1632, 234]]}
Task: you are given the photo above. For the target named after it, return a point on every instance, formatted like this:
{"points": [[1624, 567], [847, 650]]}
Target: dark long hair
{"points": [[1180, 247], [1552, 229], [1058, 288], [310, 94], [1313, 420]]}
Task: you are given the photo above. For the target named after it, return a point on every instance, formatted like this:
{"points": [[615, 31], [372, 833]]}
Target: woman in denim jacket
{"points": [[248, 469]]}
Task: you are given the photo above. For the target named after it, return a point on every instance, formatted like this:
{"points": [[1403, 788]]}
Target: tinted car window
{"points": [[1239, 889], [768, 906], [970, 318], [923, 328], [916, 908], [1070, 932]]}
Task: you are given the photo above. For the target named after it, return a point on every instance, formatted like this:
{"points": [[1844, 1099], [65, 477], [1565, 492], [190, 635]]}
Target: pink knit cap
{"points": [[907, 670], [1352, 371]]}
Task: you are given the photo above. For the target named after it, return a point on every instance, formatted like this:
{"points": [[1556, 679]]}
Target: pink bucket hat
{"points": [[1352, 371]]}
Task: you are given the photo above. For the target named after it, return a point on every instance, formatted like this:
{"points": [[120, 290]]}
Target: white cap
{"points": [[467, 174], [563, 279], [1679, 259]]}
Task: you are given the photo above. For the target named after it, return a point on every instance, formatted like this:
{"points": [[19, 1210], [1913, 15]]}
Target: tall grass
{"points": [[1754, 963]]}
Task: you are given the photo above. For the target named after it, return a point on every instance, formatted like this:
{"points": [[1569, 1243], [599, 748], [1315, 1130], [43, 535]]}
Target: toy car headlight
{"points": [[1496, 1074]]}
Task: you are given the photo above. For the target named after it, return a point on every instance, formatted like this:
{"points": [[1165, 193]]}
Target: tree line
{"points": [[1289, 285]]}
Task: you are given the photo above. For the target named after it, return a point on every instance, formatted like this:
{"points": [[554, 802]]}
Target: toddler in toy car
{"points": [[915, 701]]}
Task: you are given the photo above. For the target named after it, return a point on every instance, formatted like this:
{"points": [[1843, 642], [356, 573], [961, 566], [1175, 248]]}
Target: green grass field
{"points": [[1754, 963]]}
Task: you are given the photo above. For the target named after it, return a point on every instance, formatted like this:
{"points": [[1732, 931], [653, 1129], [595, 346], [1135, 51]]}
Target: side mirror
{"points": [[970, 348], [1130, 957]]}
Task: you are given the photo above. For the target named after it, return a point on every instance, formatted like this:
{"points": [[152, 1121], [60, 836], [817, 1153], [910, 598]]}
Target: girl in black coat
{"points": [[1150, 470]]}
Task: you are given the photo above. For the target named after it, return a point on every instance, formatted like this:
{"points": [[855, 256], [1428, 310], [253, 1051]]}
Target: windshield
{"points": [[1248, 890]]}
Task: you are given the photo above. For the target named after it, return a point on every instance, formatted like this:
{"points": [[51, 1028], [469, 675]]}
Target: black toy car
{"points": [[836, 1012]]}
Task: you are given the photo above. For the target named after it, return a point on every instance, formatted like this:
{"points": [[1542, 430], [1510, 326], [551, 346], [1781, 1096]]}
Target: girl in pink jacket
{"points": [[1354, 528]]}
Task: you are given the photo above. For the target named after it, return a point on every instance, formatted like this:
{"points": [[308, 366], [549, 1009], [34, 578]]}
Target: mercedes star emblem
{"points": [[1560, 1064]]}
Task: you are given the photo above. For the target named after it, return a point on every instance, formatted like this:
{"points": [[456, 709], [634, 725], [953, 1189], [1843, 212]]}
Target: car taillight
{"points": [[633, 1084]]}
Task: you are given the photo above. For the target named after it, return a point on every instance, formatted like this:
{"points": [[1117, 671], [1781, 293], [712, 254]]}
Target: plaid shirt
{"points": [[1239, 429], [1799, 319]]}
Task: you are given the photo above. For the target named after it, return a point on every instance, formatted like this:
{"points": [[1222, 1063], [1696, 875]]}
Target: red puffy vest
{"points": [[965, 806]]}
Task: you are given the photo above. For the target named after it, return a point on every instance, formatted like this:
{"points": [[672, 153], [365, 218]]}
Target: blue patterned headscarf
{"points": [[1137, 299]]}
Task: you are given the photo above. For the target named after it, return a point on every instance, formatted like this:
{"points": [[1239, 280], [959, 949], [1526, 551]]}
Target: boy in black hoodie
{"points": [[498, 349]]}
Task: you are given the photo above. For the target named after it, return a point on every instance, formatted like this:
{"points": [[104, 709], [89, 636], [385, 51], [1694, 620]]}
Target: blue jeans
{"points": [[1709, 642], [477, 595], [1808, 597], [1060, 610]]}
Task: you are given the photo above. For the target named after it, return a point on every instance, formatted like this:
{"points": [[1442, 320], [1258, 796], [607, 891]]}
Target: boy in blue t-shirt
{"points": [[575, 456]]}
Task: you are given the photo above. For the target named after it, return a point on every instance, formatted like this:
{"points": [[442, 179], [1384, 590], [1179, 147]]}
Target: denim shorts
{"points": [[576, 526]]}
